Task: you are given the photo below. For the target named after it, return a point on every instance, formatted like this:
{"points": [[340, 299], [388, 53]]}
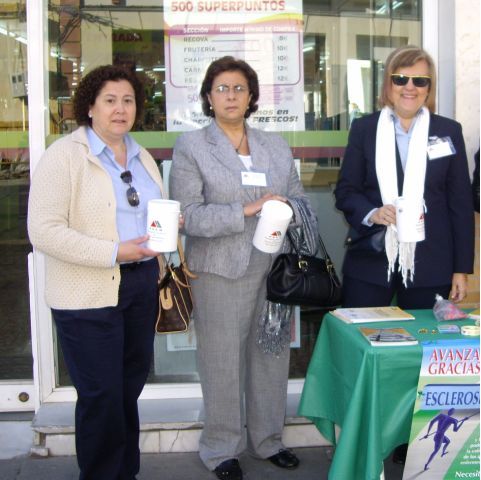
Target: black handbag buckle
{"points": [[303, 265]]}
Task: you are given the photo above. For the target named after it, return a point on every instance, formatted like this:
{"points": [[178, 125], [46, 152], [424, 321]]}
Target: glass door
{"points": [[16, 369], [344, 46]]}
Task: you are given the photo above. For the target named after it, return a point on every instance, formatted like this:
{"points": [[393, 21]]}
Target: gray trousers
{"points": [[232, 366]]}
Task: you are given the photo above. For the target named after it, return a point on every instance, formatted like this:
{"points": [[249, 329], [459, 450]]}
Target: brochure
{"points": [[371, 314], [388, 337]]}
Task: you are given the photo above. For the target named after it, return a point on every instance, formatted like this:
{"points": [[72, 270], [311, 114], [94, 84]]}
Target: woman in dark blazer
{"points": [[222, 175], [423, 154]]}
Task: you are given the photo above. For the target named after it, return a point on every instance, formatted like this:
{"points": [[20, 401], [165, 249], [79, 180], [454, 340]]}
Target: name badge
{"points": [[254, 179], [440, 147]]}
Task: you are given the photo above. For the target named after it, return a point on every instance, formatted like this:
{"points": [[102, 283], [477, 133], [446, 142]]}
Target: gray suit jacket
{"points": [[206, 179]]}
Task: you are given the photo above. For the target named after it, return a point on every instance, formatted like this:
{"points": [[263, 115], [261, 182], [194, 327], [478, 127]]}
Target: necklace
{"points": [[242, 139]]}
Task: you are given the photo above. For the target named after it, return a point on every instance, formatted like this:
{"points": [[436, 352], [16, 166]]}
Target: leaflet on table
{"points": [[448, 328], [388, 337], [371, 314], [444, 440]]}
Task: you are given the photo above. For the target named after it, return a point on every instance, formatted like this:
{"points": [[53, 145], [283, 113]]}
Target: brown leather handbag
{"points": [[175, 297]]}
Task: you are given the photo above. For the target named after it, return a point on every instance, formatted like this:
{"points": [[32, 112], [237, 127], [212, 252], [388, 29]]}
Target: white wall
{"points": [[467, 25]]}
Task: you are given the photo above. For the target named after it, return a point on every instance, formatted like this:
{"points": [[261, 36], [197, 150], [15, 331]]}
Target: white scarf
{"points": [[413, 187]]}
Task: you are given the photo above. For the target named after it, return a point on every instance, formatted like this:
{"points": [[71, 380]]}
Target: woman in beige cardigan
{"points": [[87, 214]]}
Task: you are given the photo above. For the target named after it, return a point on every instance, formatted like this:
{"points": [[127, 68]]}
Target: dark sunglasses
{"points": [[132, 195], [419, 81]]}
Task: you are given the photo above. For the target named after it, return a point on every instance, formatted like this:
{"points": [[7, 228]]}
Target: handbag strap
{"points": [[183, 263], [329, 264], [164, 265], [323, 248], [325, 255], [327, 258], [180, 249]]}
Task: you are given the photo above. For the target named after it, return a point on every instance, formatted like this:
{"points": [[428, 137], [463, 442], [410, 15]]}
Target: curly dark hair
{"points": [[229, 64], [91, 84]]}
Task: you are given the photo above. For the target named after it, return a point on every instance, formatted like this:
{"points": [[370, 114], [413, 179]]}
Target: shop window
{"points": [[344, 46]]}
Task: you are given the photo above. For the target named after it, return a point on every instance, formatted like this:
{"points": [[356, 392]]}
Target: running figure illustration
{"points": [[444, 422]]}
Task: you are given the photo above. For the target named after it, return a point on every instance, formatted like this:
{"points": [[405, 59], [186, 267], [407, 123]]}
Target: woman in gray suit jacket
{"points": [[222, 174]]}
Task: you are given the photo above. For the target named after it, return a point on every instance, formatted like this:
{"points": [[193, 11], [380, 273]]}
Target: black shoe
{"points": [[284, 459], [400, 453], [229, 470]]}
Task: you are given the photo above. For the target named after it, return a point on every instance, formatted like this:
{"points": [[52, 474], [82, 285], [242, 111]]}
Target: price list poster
{"points": [[267, 34]]}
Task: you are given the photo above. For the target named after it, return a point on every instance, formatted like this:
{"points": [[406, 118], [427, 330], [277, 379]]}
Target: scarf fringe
{"points": [[406, 261], [274, 328]]}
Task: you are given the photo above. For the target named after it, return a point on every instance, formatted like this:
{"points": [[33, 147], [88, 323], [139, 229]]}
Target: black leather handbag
{"points": [[296, 279], [369, 240]]}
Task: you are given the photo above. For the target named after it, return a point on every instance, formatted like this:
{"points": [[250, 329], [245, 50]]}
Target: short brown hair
{"points": [[407, 56], [230, 64], [91, 84]]}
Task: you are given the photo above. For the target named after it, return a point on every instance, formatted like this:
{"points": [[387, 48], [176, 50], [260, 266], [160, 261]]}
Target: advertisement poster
{"points": [[267, 35], [444, 440]]}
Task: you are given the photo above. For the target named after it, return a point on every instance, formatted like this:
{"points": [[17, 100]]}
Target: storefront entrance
{"points": [[341, 50]]}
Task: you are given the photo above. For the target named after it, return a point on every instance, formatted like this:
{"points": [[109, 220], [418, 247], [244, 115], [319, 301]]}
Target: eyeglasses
{"points": [[132, 195], [419, 81], [225, 89]]}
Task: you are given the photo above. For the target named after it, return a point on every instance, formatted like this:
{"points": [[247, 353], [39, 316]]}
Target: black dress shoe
{"points": [[229, 470], [400, 453], [284, 459]]}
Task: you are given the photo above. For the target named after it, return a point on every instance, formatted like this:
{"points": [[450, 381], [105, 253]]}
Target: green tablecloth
{"points": [[368, 391]]}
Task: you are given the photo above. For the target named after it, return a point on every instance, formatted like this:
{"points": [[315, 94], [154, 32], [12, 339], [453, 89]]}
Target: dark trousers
{"points": [[357, 293], [108, 353]]}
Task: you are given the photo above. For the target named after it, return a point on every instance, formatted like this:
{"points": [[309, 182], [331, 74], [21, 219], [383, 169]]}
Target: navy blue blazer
{"points": [[449, 220]]}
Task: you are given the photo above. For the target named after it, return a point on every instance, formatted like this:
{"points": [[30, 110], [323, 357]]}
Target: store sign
{"points": [[444, 441], [266, 34]]}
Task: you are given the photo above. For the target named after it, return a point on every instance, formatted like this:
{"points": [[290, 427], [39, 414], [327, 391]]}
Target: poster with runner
{"points": [[266, 34], [444, 440]]}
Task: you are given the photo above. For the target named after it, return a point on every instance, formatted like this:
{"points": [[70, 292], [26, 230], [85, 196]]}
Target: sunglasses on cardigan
{"points": [[132, 195], [419, 81]]}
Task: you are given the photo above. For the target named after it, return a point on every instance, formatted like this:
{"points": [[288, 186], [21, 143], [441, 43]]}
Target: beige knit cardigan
{"points": [[72, 220]]}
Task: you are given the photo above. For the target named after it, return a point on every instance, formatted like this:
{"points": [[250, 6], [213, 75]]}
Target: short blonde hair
{"points": [[407, 56]]}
